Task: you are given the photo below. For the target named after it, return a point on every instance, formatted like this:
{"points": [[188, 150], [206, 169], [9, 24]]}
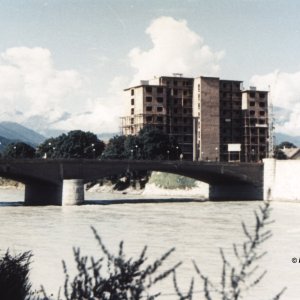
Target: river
{"points": [[196, 229]]}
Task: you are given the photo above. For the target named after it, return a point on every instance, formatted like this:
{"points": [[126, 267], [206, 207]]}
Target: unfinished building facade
{"points": [[255, 127], [211, 119], [164, 103]]}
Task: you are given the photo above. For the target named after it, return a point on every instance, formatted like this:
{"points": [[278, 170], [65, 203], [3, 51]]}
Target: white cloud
{"points": [[51, 98], [176, 49], [285, 94], [100, 114], [29, 81]]}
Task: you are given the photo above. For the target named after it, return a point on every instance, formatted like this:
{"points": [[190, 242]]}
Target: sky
{"points": [[64, 63]]}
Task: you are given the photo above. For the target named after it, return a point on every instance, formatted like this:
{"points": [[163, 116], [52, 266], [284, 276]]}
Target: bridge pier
{"points": [[235, 192], [43, 194], [73, 192]]}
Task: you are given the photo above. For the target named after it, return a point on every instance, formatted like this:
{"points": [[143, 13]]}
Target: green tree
{"points": [[286, 145], [278, 153], [115, 149], [18, 150], [74, 144], [132, 147], [151, 143], [155, 144]]}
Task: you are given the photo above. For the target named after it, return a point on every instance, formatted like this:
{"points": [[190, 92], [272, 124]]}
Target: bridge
{"points": [[60, 182]]}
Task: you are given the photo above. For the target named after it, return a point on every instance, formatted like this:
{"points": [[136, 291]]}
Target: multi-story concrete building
{"points": [[255, 127], [165, 103], [145, 104], [211, 119]]}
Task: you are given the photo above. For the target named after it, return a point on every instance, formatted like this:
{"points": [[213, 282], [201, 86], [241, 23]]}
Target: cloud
{"points": [[101, 114], [29, 81], [34, 93], [52, 98], [175, 49], [285, 95]]}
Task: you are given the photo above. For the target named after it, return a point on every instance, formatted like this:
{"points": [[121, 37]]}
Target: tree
{"points": [[286, 145], [115, 149], [74, 144], [151, 143], [155, 144], [278, 153], [19, 150]]}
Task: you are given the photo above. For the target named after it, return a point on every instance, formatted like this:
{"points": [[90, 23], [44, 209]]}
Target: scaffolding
{"points": [[271, 127]]}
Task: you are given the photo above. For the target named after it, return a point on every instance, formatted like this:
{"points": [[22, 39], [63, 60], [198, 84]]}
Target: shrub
{"points": [[113, 277], [172, 181], [14, 272], [238, 276]]}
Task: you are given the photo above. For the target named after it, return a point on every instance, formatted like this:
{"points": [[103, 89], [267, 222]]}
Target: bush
{"points": [[14, 272], [238, 276], [113, 277]]}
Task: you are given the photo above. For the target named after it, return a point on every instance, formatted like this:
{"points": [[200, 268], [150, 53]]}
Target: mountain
{"points": [[16, 132], [281, 137]]}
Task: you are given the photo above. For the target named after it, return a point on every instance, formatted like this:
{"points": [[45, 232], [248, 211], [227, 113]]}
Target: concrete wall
{"points": [[43, 194], [281, 180], [209, 119], [238, 192]]}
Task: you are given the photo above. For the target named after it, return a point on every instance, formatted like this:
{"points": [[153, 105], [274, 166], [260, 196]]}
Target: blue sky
{"points": [[63, 64]]}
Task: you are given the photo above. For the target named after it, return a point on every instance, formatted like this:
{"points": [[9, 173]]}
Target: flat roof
{"points": [[177, 77], [144, 85], [231, 80], [260, 91]]}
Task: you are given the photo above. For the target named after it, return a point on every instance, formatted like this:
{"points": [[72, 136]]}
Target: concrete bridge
{"points": [[60, 182]]}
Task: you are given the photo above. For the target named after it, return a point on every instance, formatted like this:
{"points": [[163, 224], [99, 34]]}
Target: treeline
{"points": [[150, 143], [117, 277]]}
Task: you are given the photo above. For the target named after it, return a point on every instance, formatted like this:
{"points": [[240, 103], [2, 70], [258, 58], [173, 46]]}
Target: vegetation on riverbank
{"points": [[160, 180], [172, 181], [8, 183], [116, 277]]}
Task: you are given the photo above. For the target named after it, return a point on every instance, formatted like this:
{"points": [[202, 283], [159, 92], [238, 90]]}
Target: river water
{"points": [[196, 229]]}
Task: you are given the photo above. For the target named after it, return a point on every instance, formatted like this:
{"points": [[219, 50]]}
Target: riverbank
{"points": [[172, 186], [151, 190], [154, 187], [10, 184]]}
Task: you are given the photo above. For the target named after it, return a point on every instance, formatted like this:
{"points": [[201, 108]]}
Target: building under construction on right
{"points": [[230, 123]]}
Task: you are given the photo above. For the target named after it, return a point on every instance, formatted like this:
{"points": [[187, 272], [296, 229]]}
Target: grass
{"points": [[171, 181]]}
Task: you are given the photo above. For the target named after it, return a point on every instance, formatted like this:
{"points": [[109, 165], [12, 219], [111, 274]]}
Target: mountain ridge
{"points": [[15, 132]]}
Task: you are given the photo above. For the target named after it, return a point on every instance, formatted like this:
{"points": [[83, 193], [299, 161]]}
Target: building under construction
{"points": [[211, 119]]}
